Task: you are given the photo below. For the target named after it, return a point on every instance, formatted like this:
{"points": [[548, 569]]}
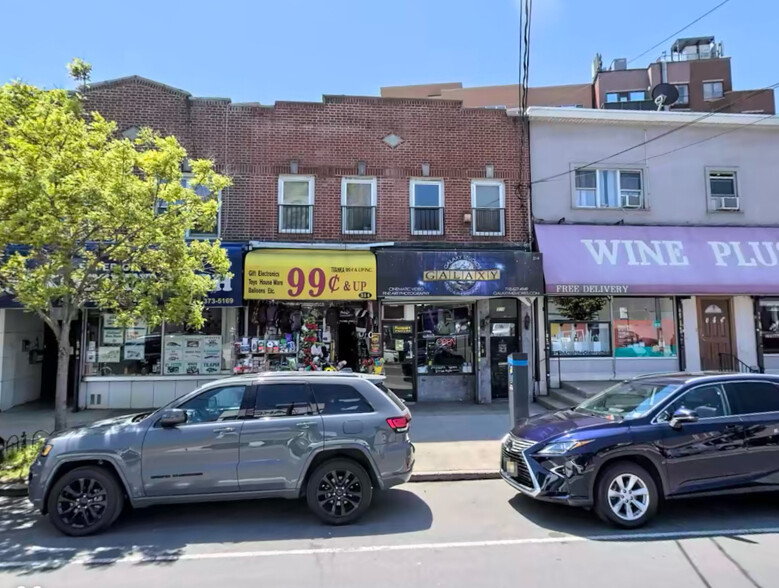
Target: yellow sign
{"points": [[309, 274]]}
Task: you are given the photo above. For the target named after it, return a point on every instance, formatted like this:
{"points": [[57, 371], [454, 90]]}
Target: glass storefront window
{"points": [[445, 339], [769, 324], [644, 327], [571, 339], [168, 350], [120, 351]]}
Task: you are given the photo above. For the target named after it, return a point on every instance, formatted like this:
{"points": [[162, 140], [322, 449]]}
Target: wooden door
{"points": [[714, 331]]}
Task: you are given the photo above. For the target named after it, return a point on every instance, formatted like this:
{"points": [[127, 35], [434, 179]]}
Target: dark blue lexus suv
{"points": [[651, 438]]}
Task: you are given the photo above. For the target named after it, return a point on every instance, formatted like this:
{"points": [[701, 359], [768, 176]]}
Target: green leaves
{"points": [[102, 219]]}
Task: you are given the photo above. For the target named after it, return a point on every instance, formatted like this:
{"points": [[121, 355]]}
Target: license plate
{"points": [[511, 467]]}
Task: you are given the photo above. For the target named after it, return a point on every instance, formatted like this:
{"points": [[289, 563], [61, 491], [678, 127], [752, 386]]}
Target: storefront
{"points": [[140, 367], [629, 300], [309, 309], [449, 320]]}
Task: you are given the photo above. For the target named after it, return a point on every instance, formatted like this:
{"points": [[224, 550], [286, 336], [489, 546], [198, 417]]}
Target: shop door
{"points": [[51, 359], [714, 331], [398, 353], [503, 342]]}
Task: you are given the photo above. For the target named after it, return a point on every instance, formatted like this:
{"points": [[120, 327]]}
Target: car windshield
{"points": [[628, 400]]}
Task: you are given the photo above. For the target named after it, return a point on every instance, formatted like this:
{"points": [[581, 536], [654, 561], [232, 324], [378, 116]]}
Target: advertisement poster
{"points": [[113, 336], [375, 343], [132, 333], [193, 354], [459, 273], [211, 367], [134, 352], [193, 367], [109, 354], [173, 368], [285, 274], [109, 320], [91, 356]]}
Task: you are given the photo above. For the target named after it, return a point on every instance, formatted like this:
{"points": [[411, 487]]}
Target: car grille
{"points": [[514, 449]]}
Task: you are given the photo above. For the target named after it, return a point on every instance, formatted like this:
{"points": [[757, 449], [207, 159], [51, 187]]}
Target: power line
{"points": [[738, 128], [660, 136], [684, 28]]}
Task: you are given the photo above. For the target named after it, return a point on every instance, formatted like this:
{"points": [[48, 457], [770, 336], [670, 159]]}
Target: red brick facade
{"points": [[254, 144]]}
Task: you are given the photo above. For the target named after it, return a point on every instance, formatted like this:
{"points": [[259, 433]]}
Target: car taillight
{"points": [[399, 424]]}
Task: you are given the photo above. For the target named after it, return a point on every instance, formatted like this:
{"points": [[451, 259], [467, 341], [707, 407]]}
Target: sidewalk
{"points": [[459, 441], [453, 441]]}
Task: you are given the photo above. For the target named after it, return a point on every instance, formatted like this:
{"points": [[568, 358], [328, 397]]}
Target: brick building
{"points": [[397, 229]]}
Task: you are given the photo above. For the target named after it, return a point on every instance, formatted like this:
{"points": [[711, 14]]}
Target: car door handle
{"points": [[307, 425], [221, 432]]}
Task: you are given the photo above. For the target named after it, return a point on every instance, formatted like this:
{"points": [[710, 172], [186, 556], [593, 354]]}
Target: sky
{"points": [[264, 50]]}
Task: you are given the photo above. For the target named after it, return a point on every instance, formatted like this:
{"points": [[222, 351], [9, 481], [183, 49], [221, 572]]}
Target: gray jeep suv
{"points": [[330, 437]]}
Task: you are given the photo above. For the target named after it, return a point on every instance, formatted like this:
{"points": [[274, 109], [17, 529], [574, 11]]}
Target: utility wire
{"points": [[734, 129], [684, 28], [660, 136]]}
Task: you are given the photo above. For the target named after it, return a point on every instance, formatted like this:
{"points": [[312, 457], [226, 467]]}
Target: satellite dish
{"points": [[665, 95]]}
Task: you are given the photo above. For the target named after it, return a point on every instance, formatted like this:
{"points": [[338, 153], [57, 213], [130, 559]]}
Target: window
{"points": [[629, 400], [283, 400], [340, 399], [644, 327], [684, 94], [427, 207], [713, 90], [769, 325], [723, 190], [607, 188], [576, 332], [216, 404], [707, 402], [632, 96], [445, 339], [753, 397], [191, 352], [358, 205], [114, 350], [296, 204], [204, 232], [488, 201]]}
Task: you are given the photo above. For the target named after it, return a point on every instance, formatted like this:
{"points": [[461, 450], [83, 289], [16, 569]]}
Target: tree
{"points": [[580, 308], [88, 218]]}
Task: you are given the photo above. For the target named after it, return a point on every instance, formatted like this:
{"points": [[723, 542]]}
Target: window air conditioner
{"points": [[726, 203], [632, 200]]}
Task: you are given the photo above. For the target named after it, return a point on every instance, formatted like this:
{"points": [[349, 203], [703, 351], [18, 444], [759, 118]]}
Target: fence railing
{"points": [[730, 363], [16, 443]]}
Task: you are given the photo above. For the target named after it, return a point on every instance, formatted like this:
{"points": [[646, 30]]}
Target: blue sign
{"points": [[406, 273], [228, 292]]}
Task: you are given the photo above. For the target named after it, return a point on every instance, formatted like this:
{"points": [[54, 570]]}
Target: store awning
{"points": [[620, 259], [309, 275]]}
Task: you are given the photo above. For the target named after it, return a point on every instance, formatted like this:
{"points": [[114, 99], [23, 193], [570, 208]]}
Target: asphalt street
{"points": [[419, 535]]}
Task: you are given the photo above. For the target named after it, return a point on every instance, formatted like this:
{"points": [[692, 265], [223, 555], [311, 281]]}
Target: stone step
{"points": [[566, 397], [550, 403], [585, 389]]}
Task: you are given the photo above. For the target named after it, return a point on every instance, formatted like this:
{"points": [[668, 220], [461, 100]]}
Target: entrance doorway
{"points": [[714, 331], [503, 342], [50, 361], [398, 353]]}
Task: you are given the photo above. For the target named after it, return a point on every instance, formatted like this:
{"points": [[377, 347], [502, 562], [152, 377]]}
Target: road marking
{"points": [[143, 559]]}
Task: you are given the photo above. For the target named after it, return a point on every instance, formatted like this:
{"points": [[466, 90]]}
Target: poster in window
{"points": [[173, 367], [134, 352], [212, 346], [113, 336], [211, 367], [91, 356], [108, 354], [109, 320], [192, 367], [132, 333]]}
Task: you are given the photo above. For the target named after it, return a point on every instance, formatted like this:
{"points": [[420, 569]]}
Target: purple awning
{"points": [[622, 259]]}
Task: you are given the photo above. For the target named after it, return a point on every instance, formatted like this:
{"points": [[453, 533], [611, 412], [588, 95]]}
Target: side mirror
{"points": [[172, 417], [681, 416]]}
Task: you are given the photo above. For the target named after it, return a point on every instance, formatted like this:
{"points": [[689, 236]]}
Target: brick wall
{"points": [[254, 144]]}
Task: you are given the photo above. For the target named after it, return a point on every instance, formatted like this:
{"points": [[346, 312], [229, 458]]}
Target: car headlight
{"points": [[562, 447]]}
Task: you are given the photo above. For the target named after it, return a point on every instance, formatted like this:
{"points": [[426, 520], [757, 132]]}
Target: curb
{"points": [[454, 476], [13, 490]]}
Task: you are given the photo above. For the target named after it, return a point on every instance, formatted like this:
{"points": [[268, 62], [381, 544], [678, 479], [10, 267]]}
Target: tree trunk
{"points": [[63, 370]]}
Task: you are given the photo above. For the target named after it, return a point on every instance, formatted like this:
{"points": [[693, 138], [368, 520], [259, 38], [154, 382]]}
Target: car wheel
{"points": [[339, 491], [626, 495], [84, 501]]}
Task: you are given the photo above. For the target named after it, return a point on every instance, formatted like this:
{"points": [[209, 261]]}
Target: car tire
{"points": [[626, 495], [339, 491], [97, 496]]}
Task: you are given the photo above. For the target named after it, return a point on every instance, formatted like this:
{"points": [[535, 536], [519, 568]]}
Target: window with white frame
{"points": [[488, 201], [713, 90], [427, 207], [684, 94], [296, 204], [723, 190], [609, 188], [358, 205]]}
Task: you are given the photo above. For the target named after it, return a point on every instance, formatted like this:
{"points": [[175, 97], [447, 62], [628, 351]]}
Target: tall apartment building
{"points": [[697, 66]]}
